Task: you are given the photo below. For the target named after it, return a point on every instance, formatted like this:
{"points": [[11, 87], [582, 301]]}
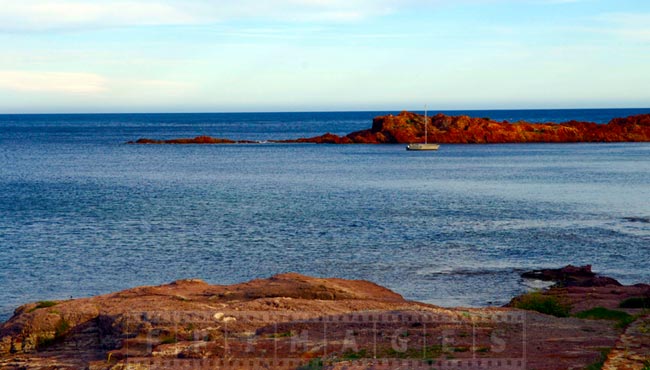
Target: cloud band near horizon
{"points": [[135, 55]]}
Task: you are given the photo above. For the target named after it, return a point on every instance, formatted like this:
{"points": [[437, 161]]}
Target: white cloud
{"points": [[627, 27], [43, 15], [48, 15], [53, 82], [634, 26]]}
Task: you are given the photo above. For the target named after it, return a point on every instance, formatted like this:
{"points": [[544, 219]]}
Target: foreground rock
{"points": [[408, 127], [582, 289], [632, 350], [587, 294], [292, 321]]}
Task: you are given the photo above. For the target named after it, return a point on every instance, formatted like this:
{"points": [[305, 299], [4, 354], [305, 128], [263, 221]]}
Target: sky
{"points": [[79, 56]]}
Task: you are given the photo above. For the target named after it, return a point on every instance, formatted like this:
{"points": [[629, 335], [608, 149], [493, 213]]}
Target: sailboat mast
{"points": [[425, 125]]}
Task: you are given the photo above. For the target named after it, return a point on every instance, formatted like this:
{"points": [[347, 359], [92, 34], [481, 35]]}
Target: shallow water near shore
{"points": [[81, 213]]}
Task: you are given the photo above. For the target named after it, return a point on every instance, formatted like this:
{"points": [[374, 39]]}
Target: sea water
{"points": [[82, 213]]}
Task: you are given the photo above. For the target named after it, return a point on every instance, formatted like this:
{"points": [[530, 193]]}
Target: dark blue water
{"points": [[81, 213]]}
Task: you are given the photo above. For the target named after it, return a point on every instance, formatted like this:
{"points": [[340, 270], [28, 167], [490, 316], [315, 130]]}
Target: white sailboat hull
{"points": [[422, 146], [425, 145]]}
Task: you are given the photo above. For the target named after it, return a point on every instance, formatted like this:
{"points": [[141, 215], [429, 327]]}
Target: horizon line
{"points": [[320, 111]]}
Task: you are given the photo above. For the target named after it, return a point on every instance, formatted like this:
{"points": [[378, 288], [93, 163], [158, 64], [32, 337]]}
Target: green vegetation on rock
{"points": [[171, 339], [547, 304], [352, 355], [43, 304], [636, 302], [623, 319], [598, 365], [61, 329], [315, 364], [282, 335]]}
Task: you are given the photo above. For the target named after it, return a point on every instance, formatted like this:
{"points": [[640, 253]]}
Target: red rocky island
{"points": [[408, 127]]}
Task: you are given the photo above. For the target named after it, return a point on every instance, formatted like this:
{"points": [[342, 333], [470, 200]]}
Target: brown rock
{"points": [[632, 350], [408, 127], [284, 322], [571, 276], [196, 140]]}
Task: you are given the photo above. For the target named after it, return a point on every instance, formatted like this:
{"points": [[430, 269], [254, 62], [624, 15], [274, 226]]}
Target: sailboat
{"points": [[425, 145]]}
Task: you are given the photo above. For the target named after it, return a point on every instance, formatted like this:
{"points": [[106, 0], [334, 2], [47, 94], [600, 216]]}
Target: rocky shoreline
{"points": [[408, 127], [291, 321]]}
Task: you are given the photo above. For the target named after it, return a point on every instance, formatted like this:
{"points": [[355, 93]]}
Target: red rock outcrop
{"points": [[571, 276], [292, 321], [195, 140], [583, 289], [408, 127]]}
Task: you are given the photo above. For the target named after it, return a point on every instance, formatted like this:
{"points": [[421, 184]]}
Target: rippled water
{"points": [[81, 213]]}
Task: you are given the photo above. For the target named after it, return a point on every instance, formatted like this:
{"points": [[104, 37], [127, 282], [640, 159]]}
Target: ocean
{"points": [[82, 213]]}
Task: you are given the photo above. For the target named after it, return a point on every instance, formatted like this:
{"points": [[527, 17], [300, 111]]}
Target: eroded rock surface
{"points": [[291, 321], [408, 127]]}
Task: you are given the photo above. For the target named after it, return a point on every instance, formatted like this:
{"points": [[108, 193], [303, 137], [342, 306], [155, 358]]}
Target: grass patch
{"points": [[43, 342], [482, 350], [635, 302], [352, 355], [644, 327], [285, 334], [546, 304], [315, 364], [426, 353], [623, 319], [598, 365], [169, 339], [61, 329], [43, 304]]}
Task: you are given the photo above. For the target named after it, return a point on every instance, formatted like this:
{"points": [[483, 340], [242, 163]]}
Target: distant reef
{"points": [[408, 127], [195, 140]]}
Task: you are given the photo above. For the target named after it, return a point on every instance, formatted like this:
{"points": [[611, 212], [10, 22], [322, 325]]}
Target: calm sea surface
{"points": [[81, 213]]}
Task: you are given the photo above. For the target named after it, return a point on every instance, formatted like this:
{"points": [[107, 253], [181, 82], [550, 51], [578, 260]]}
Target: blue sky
{"points": [[304, 55]]}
